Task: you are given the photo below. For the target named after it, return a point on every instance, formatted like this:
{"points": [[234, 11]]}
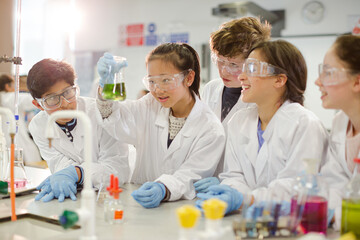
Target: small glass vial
{"points": [[114, 211], [113, 207]]}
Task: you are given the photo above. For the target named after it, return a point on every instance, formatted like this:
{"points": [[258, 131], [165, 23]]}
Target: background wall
{"points": [[100, 29]]}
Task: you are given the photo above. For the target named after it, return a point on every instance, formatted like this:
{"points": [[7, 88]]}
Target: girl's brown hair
{"points": [[347, 48]]}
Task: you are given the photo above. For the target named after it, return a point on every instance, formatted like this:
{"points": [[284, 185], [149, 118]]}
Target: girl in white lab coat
{"points": [[267, 143], [178, 139], [339, 83]]}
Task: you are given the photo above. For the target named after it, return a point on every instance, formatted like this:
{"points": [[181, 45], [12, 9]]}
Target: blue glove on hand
{"points": [[203, 185], [45, 188], [107, 67], [330, 216], [225, 193], [284, 210], [150, 194]]}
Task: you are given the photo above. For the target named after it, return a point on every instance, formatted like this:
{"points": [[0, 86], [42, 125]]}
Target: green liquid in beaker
{"points": [[350, 218], [114, 92]]}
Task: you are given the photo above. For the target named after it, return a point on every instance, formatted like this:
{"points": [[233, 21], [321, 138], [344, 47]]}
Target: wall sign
{"points": [[145, 35]]}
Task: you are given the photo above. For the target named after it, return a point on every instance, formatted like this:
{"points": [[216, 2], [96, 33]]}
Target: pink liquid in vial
{"points": [[314, 217], [18, 183]]}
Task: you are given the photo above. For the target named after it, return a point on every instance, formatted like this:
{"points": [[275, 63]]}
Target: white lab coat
{"points": [[108, 155], [212, 95], [193, 154], [336, 171], [23, 140], [293, 133]]}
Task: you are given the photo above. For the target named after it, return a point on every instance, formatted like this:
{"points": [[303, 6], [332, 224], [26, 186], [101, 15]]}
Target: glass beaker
{"points": [[19, 169], [4, 162], [114, 89]]}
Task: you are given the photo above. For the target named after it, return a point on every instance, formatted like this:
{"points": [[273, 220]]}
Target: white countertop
{"points": [[139, 223]]}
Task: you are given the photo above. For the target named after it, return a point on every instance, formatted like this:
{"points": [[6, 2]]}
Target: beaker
{"points": [[4, 161], [114, 88], [20, 178]]}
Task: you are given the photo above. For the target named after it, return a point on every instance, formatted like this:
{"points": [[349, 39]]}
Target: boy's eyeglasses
{"points": [[231, 67], [165, 82], [54, 101], [255, 68], [330, 76]]}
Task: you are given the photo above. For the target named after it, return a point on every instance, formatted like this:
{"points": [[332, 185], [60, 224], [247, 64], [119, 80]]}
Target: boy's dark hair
{"points": [[5, 79], [182, 56], [46, 73], [286, 56], [238, 36], [347, 48]]}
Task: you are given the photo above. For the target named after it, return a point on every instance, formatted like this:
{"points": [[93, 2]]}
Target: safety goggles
{"points": [[165, 82], [54, 101], [255, 68], [330, 76], [231, 67]]}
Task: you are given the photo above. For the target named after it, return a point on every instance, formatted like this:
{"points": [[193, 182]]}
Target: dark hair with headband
{"points": [[286, 56], [347, 48], [182, 56], [44, 74]]}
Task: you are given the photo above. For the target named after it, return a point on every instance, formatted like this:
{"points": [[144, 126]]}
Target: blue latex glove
{"points": [[283, 211], [225, 193], [107, 67], [63, 183], [330, 215], [203, 185], [45, 188], [150, 194]]}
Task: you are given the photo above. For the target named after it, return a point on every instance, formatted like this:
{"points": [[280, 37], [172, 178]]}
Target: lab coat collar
{"points": [[162, 119], [339, 132], [216, 98], [248, 129], [270, 127]]}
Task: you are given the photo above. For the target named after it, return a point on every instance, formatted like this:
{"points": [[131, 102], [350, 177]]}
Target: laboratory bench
{"points": [[139, 223]]}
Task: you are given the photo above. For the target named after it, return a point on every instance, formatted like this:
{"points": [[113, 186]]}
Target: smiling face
{"points": [[256, 89], [229, 69], [339, 95], [174, 97], [57, 88]]}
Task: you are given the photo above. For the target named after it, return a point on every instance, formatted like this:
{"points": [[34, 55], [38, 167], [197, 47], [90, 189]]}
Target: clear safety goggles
{"points": [[165, 82], [255, 68], [330, 76], [54, 101], [231, 67]]}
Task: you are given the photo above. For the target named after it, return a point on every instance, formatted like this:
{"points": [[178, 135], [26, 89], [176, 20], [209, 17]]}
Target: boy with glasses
{"points": [[52, 85]]}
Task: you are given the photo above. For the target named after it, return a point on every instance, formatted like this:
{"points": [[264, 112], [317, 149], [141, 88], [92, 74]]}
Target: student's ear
{"points": [[189, 78], [280, 80], [36, 104], [357, 84]]}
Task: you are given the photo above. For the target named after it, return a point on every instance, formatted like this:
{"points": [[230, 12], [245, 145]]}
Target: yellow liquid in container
{"points": [[350, 218]]}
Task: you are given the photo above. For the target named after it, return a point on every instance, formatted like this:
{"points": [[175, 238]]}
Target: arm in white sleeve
{"points": [[233, 174], [310, 140], [55, 159], [201, 163], [128, 119], [112, 159]]}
